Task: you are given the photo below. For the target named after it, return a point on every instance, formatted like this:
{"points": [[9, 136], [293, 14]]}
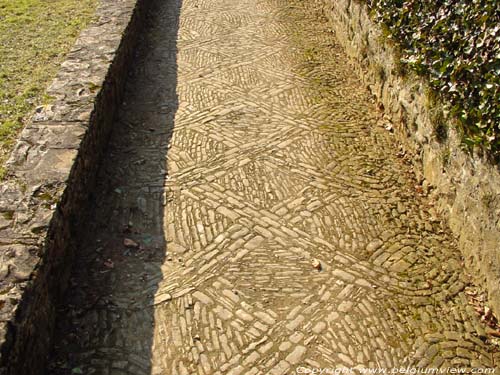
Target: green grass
{"points": [[35, 35]]}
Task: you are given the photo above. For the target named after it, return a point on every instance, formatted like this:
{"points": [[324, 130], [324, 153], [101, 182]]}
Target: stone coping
{"points": [[465, 187], [51, 172]]}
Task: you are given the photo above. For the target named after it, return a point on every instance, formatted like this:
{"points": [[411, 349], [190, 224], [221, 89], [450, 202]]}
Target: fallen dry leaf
{"points": [[316, 264], [130, 243]]}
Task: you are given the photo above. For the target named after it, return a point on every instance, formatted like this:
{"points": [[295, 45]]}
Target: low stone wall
{"points": [[466, 188], [52, 171]]}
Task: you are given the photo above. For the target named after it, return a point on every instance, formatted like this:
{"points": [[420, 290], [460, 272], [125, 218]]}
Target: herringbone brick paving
{"points": [[253, 216]]}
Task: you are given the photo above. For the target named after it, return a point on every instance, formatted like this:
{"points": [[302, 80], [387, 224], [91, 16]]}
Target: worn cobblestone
{"points": [[243, 151]]}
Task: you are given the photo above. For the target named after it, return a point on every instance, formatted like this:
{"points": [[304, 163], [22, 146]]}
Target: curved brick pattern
{"points": [[467, 185], [248, 221]]}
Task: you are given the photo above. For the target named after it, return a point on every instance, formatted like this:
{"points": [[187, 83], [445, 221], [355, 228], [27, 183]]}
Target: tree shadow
{"points": [[105, 323]]}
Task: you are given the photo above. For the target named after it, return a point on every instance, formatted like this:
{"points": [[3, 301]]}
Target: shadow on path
{"points": [[296, 236], [106, 323]]}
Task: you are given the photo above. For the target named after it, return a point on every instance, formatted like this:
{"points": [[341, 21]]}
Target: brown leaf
{"points": [[130, 243], [316, 264]]}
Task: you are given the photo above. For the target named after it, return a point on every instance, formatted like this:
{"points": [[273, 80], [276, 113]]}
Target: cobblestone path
{"points": [[253, 216]]}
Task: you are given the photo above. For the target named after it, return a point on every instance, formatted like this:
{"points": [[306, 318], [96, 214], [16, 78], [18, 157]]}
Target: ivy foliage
{"points": [[456, 45]]}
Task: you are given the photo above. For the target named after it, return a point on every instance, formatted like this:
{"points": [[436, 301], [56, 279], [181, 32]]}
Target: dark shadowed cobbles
{"points": [[252, 217]]}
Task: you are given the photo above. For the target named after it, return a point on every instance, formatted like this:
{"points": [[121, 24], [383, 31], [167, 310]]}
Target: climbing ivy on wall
{"points": [[456, 44]]}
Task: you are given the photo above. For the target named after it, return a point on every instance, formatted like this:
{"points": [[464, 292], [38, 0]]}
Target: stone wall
{"points": [[466, 188], [52, 170]]}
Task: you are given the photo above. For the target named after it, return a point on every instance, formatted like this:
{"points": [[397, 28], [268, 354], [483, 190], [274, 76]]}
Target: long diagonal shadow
{"points": [[105, 323]]}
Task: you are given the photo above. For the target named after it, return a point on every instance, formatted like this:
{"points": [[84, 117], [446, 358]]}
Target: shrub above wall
{"points": [[456, 45]]}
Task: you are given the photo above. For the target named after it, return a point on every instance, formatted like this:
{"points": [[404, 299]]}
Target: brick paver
{"points": [[254, 217]]}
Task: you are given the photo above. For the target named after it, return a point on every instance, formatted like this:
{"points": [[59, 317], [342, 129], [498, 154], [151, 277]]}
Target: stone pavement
{"points": [[253, 216]]}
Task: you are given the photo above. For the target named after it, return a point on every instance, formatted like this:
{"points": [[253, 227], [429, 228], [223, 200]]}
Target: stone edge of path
{"points": [[466, 188], [52, 169]]}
